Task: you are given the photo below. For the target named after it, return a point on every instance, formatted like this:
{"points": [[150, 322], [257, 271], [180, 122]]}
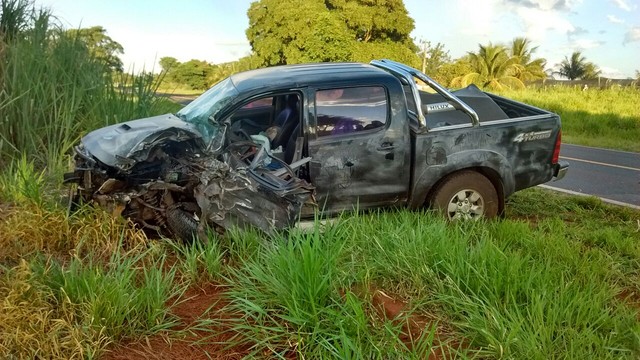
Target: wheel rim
{"points": [[466, 204]]}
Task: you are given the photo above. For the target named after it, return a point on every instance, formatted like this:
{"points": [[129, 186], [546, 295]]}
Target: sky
{"points": [[607, 32]]}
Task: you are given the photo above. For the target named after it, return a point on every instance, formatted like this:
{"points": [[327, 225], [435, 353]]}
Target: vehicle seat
{"points": [[290, 149], [287, 120], [346, 126]]}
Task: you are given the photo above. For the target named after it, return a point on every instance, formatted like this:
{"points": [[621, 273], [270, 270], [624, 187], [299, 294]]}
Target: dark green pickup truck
{"points": [[268, 146]]}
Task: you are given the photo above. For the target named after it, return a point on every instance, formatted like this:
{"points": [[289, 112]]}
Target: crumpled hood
{"points": [[122, 145]]}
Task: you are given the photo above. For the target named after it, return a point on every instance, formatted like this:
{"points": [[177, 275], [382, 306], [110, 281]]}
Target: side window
{"points": [[350, 110], [253, 117]]}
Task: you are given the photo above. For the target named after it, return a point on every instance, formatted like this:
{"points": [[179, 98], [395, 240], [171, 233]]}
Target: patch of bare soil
{"points": [[414, 325], [211, 341], [630, 296], [199, 342]]}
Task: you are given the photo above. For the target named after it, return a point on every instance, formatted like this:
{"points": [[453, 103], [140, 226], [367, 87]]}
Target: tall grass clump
{"points": [[201, 261], [20, 182], [294, 299], [123, 298], [33, 324], [508, 289], [501, 289], [74, 309], [52, 89]]}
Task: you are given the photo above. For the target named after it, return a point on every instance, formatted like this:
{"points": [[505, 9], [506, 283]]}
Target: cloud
{"points": [[611, 73], [622, 4], [537, 22], [577, 31], [614, 19], [545, 5], [632, 35], [585, 44], [483, 13]]}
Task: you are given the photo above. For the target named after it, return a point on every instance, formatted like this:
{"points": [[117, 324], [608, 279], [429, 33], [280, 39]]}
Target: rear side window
{"points": [[350, 110]]}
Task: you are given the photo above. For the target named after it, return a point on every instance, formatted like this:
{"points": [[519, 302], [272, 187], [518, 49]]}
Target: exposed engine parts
{"points": [[178, 191]]}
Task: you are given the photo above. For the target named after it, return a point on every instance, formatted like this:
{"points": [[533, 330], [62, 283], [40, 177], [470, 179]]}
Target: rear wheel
{"points": [[466, 195]]}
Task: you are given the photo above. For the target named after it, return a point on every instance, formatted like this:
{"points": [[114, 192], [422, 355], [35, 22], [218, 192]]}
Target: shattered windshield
{"points": [[208, 104]]}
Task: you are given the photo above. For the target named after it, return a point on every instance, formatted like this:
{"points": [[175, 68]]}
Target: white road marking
{"points": [[603, 149], [608, 201], [601, 163]]}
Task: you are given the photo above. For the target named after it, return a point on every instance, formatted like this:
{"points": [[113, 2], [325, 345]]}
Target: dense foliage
{"points": [[53, 88], [102, 47], [499, 67], [334, 30]]}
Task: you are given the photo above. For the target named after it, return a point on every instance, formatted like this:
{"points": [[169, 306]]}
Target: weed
{"points": [[201, 261], [34, 325]]}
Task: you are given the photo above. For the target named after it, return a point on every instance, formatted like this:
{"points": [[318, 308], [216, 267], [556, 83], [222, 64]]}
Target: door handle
{"points": [[386, 146]]}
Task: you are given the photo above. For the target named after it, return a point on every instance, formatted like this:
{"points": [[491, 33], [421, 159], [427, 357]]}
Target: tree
{"points": [[433, 57], [492, 67], [526, 68], [591, 71], [329, 30], [577, 67], [167, 63], [452, 70], [193, 73], [100, 46], [224, 70]]}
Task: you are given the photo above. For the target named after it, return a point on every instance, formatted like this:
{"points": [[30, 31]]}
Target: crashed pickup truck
{"points": [[267, 147]]}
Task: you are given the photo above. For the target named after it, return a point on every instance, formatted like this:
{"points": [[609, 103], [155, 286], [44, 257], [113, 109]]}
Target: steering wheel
{"points": [[238, 132]]}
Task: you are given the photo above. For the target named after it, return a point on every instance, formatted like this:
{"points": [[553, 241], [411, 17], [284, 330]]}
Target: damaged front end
{"points": [[159, 173]]}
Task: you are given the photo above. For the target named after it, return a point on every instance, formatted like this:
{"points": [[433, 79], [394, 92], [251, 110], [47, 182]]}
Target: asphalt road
{"points": [[608, 174]]}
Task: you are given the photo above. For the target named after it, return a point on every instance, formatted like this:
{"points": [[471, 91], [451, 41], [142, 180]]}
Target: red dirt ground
{"points": [[630, 297], [200, 303], [413, 326], [207, 302]]}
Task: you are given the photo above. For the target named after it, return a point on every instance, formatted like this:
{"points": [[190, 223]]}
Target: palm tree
{"points": [[492, 68], [591, 71], [526, 68], [577, 67]]}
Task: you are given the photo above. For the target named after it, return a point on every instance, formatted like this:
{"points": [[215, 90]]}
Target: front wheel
{"points": [[466, 195]]}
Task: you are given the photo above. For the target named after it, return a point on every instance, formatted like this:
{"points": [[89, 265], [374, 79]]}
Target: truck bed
{"points": [[512, 145], [489, 107]]}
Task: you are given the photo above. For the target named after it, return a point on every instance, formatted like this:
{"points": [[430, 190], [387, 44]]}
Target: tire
{"points": [[466, 195], [182, 224]]}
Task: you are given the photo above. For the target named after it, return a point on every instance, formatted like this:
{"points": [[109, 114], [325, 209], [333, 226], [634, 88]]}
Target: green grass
{"points": [[124, 298], [544, 288], [555, 279], [608, 118]]}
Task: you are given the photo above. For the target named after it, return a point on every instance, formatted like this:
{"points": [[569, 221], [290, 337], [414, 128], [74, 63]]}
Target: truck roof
{"points": [[304, 74]]}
